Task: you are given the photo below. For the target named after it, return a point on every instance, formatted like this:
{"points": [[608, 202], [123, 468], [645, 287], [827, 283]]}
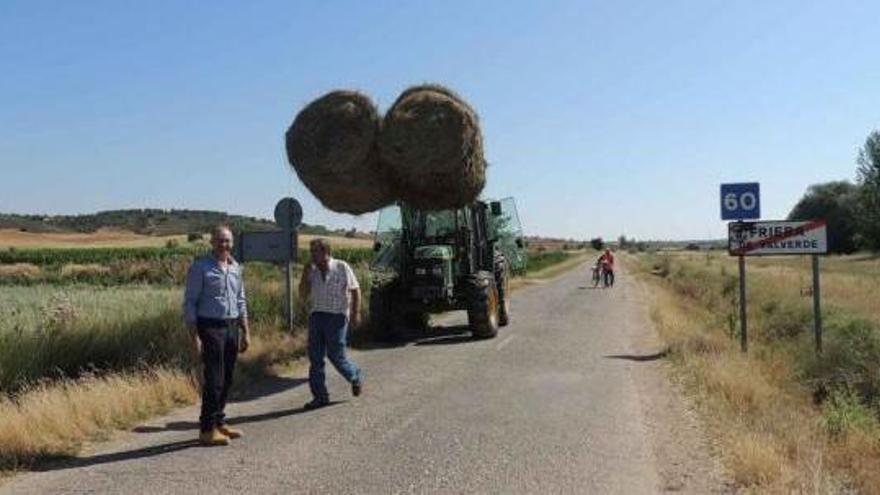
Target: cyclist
{"points": [[607, 261]]}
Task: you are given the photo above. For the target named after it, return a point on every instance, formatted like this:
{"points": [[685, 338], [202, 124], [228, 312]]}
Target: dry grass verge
{"points": [[55, 419], [52, 421], [772, 436]]}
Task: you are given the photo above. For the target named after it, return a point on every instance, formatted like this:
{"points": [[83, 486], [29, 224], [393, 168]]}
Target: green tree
{"points": [[836, 203], [869, 192], [597, 243]]}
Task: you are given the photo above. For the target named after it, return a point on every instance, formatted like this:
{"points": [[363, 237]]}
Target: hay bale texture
{"points": [[432, 145], [333, 146]]}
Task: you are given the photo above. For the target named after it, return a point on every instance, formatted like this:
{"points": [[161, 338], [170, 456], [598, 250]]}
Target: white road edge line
{"points": [[504, 342]]}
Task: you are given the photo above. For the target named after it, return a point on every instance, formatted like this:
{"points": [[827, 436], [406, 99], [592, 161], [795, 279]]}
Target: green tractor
{"points": [[434, 261]]}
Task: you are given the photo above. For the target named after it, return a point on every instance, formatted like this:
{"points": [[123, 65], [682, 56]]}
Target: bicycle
{"points": [[597, 275]]}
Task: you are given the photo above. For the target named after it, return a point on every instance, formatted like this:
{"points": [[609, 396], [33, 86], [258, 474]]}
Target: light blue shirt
{"points": [[212, 292]]}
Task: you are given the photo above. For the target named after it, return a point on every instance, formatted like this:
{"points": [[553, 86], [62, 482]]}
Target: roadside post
{"points": [[741, 201], [743, 334], [276, 246], [288, 216], [817, 307]]}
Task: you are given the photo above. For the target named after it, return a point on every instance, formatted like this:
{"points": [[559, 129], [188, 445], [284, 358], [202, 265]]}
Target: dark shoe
{"points": [[316, 404], [357, 388]]}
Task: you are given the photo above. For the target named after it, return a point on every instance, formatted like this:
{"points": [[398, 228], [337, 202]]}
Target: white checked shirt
{"points": [[333, 294]]}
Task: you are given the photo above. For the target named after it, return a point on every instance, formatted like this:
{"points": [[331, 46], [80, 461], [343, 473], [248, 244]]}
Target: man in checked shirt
{"points": [[335, 303], [215, 310]]}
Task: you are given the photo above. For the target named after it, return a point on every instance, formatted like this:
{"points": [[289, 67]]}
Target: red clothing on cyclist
{"points": [[608, 259]]}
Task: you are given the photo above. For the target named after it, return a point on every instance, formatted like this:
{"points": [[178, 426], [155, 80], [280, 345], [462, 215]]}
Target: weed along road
{"points": [[571, 397]]}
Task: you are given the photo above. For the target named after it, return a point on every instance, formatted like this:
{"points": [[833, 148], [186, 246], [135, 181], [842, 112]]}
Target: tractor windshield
{"points": [[431, 226]]}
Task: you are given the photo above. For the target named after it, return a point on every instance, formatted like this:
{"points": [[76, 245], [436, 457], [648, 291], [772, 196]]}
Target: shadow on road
{"points": [[433, 335], [237, 420], [59, 464], [446, 335], [640, 358], [267, 386], [62, 463]]}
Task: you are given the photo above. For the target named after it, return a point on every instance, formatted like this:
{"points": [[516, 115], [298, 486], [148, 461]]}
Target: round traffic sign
{"points": [[288, 213]]}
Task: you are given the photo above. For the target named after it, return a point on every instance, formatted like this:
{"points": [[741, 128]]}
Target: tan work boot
{"points": [[213, 438], [230, 432]]}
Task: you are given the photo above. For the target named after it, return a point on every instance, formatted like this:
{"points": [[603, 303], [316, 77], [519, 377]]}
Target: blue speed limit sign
{"points": [[741, 201]]}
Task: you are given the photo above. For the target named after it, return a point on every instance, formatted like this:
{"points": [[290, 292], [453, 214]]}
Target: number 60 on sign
{"points": [[740, 201]]}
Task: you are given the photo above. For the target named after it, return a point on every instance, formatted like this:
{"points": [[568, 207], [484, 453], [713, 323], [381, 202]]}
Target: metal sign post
{"points": [[743, 334], [736, 232], [740, 201], [817, 307], [288, 215], [288, 278]]}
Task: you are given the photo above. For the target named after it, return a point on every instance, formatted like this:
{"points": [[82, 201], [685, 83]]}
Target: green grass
{"points": [[50, 332], [539, 260], [118, 266], [83, 256]]}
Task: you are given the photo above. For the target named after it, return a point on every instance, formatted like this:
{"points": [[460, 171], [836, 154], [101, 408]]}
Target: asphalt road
{"points": [[570, 398]]}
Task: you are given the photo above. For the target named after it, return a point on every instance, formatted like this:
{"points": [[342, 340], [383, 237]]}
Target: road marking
{"points": [[504, 342]]}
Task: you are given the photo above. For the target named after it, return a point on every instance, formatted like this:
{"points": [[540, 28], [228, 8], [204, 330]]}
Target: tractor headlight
{"points": [[437, 271], [421, 271]]}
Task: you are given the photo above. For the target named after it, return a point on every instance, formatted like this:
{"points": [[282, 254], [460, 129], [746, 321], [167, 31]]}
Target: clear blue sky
{"points": [[602, 118]]}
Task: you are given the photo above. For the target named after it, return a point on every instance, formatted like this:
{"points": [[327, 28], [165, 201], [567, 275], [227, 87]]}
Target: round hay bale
{"points": [[431, 143], [332, 145]]}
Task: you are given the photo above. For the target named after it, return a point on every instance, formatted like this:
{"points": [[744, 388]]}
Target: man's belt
{"points": [[203, 322]]}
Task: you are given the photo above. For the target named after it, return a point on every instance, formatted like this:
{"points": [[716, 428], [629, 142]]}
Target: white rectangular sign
{"points": [[777, 237]]}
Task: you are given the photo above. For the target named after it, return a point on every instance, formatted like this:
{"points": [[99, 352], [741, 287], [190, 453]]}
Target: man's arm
{"points": [[355, 316], [245, 340], [190, 305], [354, 311], [191, 295]]}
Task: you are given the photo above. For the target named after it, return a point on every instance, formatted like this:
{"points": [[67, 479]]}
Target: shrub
{"points": [[850, 359], [784, 320], [662, 267], [844, 413]]}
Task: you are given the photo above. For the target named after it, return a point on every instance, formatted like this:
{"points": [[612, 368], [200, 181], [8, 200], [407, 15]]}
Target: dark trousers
{"points": [[219, 353]]}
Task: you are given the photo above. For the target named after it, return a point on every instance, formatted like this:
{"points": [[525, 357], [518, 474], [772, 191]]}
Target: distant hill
{"points": [[149, 222]]}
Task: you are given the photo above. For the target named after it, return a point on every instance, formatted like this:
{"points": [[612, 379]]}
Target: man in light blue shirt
{"points": [[215, 310]]}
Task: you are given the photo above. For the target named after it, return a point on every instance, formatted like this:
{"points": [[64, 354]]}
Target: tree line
{"points": [[851, 209], [150, 222]]}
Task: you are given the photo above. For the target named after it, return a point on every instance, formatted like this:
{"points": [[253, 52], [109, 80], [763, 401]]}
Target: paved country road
{"points": [[570, 398]]}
